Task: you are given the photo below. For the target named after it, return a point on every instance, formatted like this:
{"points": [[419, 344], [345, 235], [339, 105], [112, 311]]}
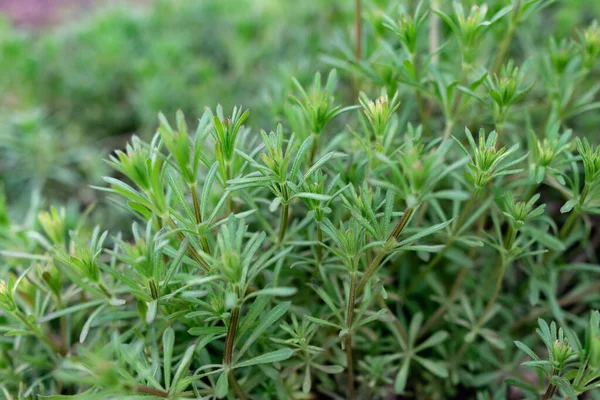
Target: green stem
{"points": [[370, 271], [285, 212], [434, 31], [455, 290], [422, 112], [198, 214], [456, 105], [319, 250], [419, 97], [568, 226], [230, 338], [196, 203], [141, 389], [434, 261], [399, 328], [313, 147], [63, 335], [36, 331], [237, 388], [357, 29], [499, 270], [448, 128], [444, 306], [190, 249], [228, 354], [549, 392], [374, 265], [530, 192], [349, 321], [503, 49], [408, 212], [229, 175], [104, 290]]}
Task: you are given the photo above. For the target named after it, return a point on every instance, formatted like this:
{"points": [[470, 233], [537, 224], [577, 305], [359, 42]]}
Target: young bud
{"points": [[7, 301], [379, 112], [562, 350], [589, 44], [53, 223]]}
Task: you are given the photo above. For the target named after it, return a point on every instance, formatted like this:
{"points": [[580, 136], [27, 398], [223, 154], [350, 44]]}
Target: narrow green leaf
{"points": [[168, 342], [86, 327], [272, 357], [272, 316], [222, 387]]}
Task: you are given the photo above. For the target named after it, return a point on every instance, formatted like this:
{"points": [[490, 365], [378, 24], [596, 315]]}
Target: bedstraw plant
{"points": [[399, 232]]}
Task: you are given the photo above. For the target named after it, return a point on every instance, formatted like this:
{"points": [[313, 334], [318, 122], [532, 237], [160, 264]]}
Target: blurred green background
{"points": [[77, 83]]}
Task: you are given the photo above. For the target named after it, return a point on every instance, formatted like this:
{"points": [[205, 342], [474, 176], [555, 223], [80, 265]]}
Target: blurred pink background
{"points": [[41, 13]]}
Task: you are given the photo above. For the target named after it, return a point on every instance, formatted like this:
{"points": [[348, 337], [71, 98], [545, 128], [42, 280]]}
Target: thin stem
{"points": [[419, 97], [44, 338], [374, 265], [454, 291], [349, 320], [568, 226], [351, 301], [63, 335], [237, 388], [508, 37], [457, 103], [285, 212], [190, 249], [444, 306], [434, 31], [499, 270], [422, 112], [357, 29], [230, 338], [229, 174], [401, 331], [408, 212], [319, 250], [198, 215], [530, 192], [500, 267], [350, 383], [549, 392], [104, 290], [313, 147], [434, 261], [228, 354], [370, 271], [141, 389], [196, 203], [448, 128], [562, 234]]}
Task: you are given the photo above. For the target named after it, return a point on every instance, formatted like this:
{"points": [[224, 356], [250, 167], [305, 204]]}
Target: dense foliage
{"points": [[403, 227]]}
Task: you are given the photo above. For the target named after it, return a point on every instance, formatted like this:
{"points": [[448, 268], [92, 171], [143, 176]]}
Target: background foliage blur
{"points": [[71, 92]]}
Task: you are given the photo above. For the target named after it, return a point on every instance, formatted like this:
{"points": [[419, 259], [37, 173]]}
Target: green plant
{"points": [[395, 255], [571, 367]]}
